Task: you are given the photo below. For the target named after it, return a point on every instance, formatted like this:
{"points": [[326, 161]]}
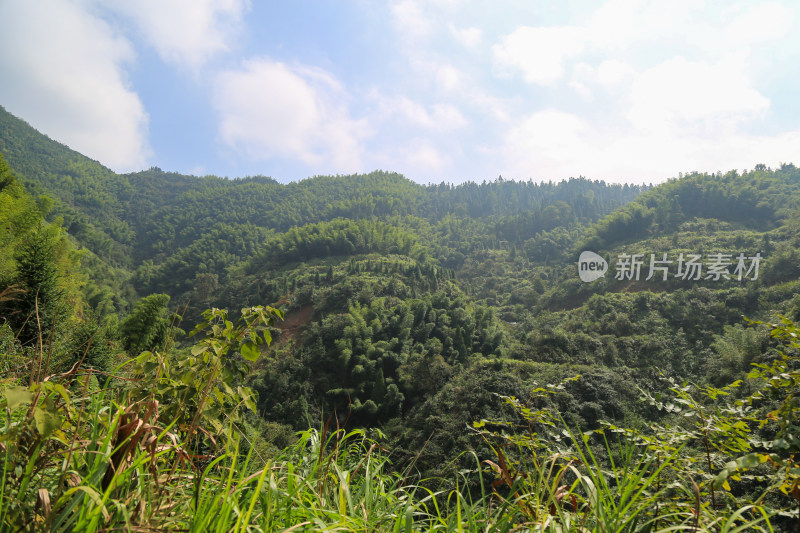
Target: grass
{"points": [[119, 469], [78, 456]]}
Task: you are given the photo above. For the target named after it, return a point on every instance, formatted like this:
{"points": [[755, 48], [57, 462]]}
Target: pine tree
{"points": [[147, 326], [40, 305]]}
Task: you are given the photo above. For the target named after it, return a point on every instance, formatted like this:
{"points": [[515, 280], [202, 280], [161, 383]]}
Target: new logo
{"points": [[591, 266]]}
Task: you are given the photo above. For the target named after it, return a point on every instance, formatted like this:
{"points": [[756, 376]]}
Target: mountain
{"points": [[508, 325], [412, 307], [156, 221]]}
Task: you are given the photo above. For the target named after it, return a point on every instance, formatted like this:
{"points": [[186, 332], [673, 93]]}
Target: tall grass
{"points": [[80, 456]]}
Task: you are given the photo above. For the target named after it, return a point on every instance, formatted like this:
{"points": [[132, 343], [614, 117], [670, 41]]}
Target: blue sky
{"points": [[445, 90]]}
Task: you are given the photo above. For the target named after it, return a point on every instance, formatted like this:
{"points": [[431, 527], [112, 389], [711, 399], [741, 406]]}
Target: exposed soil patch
{"points": [[293, 323]]}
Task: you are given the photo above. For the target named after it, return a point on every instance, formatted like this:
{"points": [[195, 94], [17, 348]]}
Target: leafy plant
{"points": [[201, 392]]}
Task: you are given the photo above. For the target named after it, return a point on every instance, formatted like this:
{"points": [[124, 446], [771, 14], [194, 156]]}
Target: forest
{"points": [[365, 353]]}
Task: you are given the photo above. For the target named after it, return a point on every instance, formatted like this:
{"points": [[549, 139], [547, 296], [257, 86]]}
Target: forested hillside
{"points": [[153, 222], [411, 310]]}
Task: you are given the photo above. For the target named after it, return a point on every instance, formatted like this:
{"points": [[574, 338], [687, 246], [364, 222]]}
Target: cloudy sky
{"points": [[447, 90]]}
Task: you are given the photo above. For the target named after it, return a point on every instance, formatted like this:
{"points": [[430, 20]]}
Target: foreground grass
{"points": [[124, 471], [157, 448], [338, 482]]}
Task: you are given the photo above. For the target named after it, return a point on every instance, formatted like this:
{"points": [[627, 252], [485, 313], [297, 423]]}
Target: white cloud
{"points": [[614, 72], [270, 110], [449, 78], [422, 158], [405, 112], [620, 23], [763, 22], [583, 75], [611, 75], [540, 53], [447, 117], [185, 32], [63, 72], [489, 105], [468, 37], [403, 108], [545, 145], [438, 74], [410, 20], [554, 145], [747, 151], [416, 157], [543, 53], [680, 94], [674, 87]]}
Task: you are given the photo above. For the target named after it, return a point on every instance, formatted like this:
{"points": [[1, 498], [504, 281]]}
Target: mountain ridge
{"points": [[412, 309]]}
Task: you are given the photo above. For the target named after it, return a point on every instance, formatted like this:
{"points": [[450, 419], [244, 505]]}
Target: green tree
{"points": [[41, 304], [6, 176], [148, 324]]}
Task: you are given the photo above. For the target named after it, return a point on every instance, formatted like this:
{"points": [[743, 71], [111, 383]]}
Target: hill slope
{"points": [[410, 302]]}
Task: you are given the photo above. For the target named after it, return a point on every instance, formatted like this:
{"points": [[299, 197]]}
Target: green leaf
{"points": [[216, 424], [188, 377], [745, 462], [47, 420], [16, 396], [200, 327], [144, 356], [249, 403], [61, 390], [250, 351], [197, 349]]}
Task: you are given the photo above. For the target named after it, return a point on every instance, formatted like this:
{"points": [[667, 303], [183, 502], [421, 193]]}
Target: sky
{"points": [[629, 91]]}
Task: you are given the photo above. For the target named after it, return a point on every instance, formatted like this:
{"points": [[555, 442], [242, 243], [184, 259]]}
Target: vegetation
{"points": [[431, 336], [165, 445]]}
